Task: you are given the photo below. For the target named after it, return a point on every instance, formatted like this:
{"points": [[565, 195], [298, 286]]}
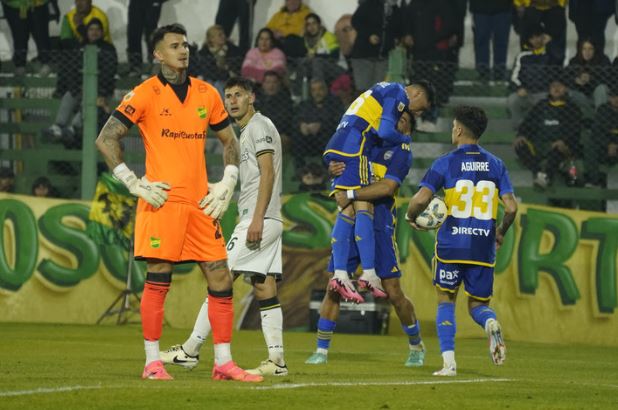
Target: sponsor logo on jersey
{"points": [[129, 109], [166, 113], [475, 166], [267, 139], [388, 155], [465, 230], [167, 133]]}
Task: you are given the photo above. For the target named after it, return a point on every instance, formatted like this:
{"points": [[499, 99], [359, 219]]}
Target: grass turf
{"points": [[45, 366]]}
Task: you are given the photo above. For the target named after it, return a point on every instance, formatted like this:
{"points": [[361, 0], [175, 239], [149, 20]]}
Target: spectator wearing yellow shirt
{"points": [[288, 25], [73, 28]]}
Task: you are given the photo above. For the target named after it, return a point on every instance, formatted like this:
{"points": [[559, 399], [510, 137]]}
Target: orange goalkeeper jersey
{"points": [[174, 132]]}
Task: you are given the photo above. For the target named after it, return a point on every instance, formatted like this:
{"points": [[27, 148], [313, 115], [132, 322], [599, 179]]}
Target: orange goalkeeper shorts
{"points": [[177, 232]]}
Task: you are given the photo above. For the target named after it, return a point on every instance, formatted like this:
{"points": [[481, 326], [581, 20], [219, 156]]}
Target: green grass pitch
{"points": [[45, 366]]}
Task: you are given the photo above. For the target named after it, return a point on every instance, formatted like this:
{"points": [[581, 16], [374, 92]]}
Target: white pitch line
{"points": [[356, 384], [46, 390]]}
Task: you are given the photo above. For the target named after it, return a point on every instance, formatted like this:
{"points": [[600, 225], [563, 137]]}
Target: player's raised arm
{"points": [[108, 143], [510, 210], [391, 111]]}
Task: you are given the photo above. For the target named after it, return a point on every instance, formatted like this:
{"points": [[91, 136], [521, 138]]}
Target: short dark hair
{"points": [[314, 16], [429, 90], [241, 82], [272, 73], [473, 118], [159, 33]]}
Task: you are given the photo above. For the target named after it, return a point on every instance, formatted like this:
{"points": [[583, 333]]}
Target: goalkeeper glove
{"points": [[219, 195], [151, 192]]}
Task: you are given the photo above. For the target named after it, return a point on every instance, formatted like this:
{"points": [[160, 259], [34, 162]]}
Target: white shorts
{"points": [[266, 260]]}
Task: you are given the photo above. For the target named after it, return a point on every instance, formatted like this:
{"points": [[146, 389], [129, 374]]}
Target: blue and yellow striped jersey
{"points": [[391, 162], [473, 179], [371, 117]]}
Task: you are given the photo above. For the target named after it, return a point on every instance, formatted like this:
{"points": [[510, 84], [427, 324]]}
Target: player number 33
{"points": [[478, 201]]}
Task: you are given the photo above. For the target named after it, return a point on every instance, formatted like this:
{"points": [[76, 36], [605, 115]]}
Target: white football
{"points": [[434, 215]]}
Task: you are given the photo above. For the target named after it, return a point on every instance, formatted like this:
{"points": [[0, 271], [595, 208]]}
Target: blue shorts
{"points": [[347, 145], [478, 280], [387, 264], [355, 176]]}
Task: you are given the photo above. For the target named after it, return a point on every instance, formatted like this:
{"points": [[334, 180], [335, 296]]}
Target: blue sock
{"points": [[413, 332], [325, 332], [446, 326], [365, 239], [481, 314], [340, 239]]}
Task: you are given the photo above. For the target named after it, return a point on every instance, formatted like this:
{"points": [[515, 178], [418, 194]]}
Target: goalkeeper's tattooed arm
{"points": [[231, 148], [108, 142]]}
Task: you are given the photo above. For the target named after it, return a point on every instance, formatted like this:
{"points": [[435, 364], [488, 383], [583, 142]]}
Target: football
{"points": [[434, 215]]}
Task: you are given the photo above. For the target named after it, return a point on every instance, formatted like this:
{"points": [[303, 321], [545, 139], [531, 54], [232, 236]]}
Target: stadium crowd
{"points": [[561, 111]]}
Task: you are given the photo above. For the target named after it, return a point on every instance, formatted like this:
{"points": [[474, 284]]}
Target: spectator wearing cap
{"points": [[288, 25], [7, 180], [263, 57], [317, 120], [549, 137], [602, 149], [529, 76]]}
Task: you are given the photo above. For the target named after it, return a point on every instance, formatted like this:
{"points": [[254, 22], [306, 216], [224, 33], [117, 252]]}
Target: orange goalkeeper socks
{"points": [[221, 315], [153, 300]]}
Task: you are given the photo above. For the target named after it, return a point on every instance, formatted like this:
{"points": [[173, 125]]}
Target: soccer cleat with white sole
{"points": [[497, 348], [447, 371], [269, 368], [416, 358], [317, 358], [373, 283], [176, 355]]}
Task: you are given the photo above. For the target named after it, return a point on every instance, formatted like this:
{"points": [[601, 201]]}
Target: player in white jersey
{"points": [[254, 250]]}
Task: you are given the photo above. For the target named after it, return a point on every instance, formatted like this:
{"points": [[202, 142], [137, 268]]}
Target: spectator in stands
{"points": [[603, 146], [43, 188], [242, 10], [219, 59], [322, 50], [589, 72], [590, 19], [377, 25], [529, 77], [288, 25], [263, 57], [142, 21], [346, 34], [313, 178], [317, 120], [549, 137], [7, 180], [551, 15], [27, 18], [68, 120], [430, 27], [343, 88], [274, 101], [492, 24], [74, 23]]}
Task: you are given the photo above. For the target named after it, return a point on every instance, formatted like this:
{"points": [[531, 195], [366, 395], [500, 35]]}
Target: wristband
{"points": [[351, 194]]}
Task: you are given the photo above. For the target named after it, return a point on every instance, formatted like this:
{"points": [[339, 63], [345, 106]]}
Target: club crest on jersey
{"points": [[401, 107], [155, 242], [388, 155], [201, 111]]}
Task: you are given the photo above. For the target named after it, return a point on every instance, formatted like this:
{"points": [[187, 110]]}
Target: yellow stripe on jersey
{"points": [[370, 111]]}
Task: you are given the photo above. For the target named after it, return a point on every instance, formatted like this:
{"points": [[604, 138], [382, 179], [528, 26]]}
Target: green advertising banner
{"points": [[556, 271]]}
